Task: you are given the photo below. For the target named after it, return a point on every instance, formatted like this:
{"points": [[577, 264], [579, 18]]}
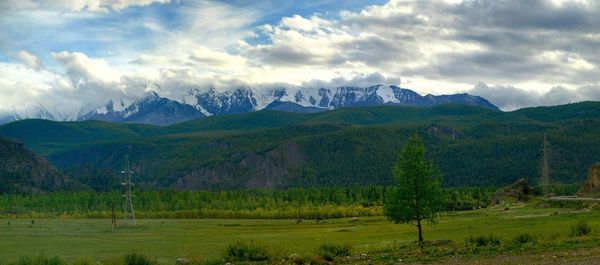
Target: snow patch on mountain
{"points": [[387, 94], [194, 103]]}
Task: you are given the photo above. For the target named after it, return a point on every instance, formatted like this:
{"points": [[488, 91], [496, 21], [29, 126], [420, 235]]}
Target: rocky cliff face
{"points": [[23, 171], [272, 169], [518, 191], [230, 102], [591, 187]]}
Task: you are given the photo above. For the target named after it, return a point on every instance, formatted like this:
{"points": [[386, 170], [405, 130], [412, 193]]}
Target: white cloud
{"points": [[390, 39], [216, 59], [150, 59], [510, 98], [567, 59], [82, 84], [76, 5], [205, 42], [23, 86], [315, 24], [82, 69], [360, 80], [29, 59], [450, 43], [214, 25], [544, 51]]}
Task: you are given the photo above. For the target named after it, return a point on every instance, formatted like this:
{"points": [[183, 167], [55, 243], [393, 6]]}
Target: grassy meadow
{"points": [[165, 240]]}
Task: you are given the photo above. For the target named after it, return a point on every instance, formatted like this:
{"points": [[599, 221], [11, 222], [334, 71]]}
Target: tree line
{"points": [[322, 202]]}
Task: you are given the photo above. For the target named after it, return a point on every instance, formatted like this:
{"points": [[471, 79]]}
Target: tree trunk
{"points": [[420, 234]]}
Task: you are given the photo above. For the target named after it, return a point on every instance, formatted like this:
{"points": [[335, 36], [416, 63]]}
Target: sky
{"points": [[71, 54]]}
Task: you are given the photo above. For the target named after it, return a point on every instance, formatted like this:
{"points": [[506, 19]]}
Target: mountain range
{"points": [[196, 103], [471, 145], [151, 109]]}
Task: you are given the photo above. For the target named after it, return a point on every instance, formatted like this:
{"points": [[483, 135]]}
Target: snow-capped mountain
{"points": [[212, 102], [33, 111], [233, 101], [198, 103], [151, 109]]}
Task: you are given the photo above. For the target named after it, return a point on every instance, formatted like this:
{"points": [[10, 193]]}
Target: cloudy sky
{"points": [[68, 54]]}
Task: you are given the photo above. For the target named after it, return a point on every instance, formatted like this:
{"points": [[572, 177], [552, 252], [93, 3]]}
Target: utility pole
{"points": [[298, 218], [545, 180], [128, 214], [300, 201], [114, 217]]}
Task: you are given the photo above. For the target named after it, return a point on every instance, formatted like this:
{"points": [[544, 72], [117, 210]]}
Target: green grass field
{"points": [[169, 239]]}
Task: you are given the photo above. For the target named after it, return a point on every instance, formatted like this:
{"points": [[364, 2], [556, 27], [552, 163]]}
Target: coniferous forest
{"points": [[347, 147]]}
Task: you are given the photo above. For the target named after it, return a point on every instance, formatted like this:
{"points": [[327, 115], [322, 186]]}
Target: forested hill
{"points": [[348, 146], [23, 171]]}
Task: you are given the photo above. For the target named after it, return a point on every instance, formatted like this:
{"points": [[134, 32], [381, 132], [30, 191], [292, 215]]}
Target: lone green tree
{"points": [[416, 194]]}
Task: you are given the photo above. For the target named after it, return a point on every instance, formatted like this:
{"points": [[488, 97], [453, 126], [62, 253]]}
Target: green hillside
{"points": [[350, 146], [25, 172], [46, 137], [245, 121]]}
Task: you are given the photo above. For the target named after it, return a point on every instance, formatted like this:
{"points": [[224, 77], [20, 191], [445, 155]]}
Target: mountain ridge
{"points": [[154, 109], [150, 109], [23, 171], [345, 146]]}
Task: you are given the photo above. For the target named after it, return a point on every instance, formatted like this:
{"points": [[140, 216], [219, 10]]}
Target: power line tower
{"points": [[128, 214], [300, 201], [545, 180], [114, 217]]}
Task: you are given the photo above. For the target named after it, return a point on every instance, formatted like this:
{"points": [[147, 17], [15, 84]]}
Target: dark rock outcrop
{"points": [[22, 171], [519, 191], [591, 187], [272, 169]]}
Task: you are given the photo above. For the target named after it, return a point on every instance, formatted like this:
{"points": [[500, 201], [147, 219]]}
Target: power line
{"points": [[545, 179], [128, 213]]}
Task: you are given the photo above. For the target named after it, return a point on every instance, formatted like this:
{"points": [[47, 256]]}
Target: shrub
{"points": [[246, 251], [214, 261], [136, 259], [550, 237], [40, 260], [524, 238], [581, 229], [297, 260], [483, 241], [83, 261], [330, 251]]}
